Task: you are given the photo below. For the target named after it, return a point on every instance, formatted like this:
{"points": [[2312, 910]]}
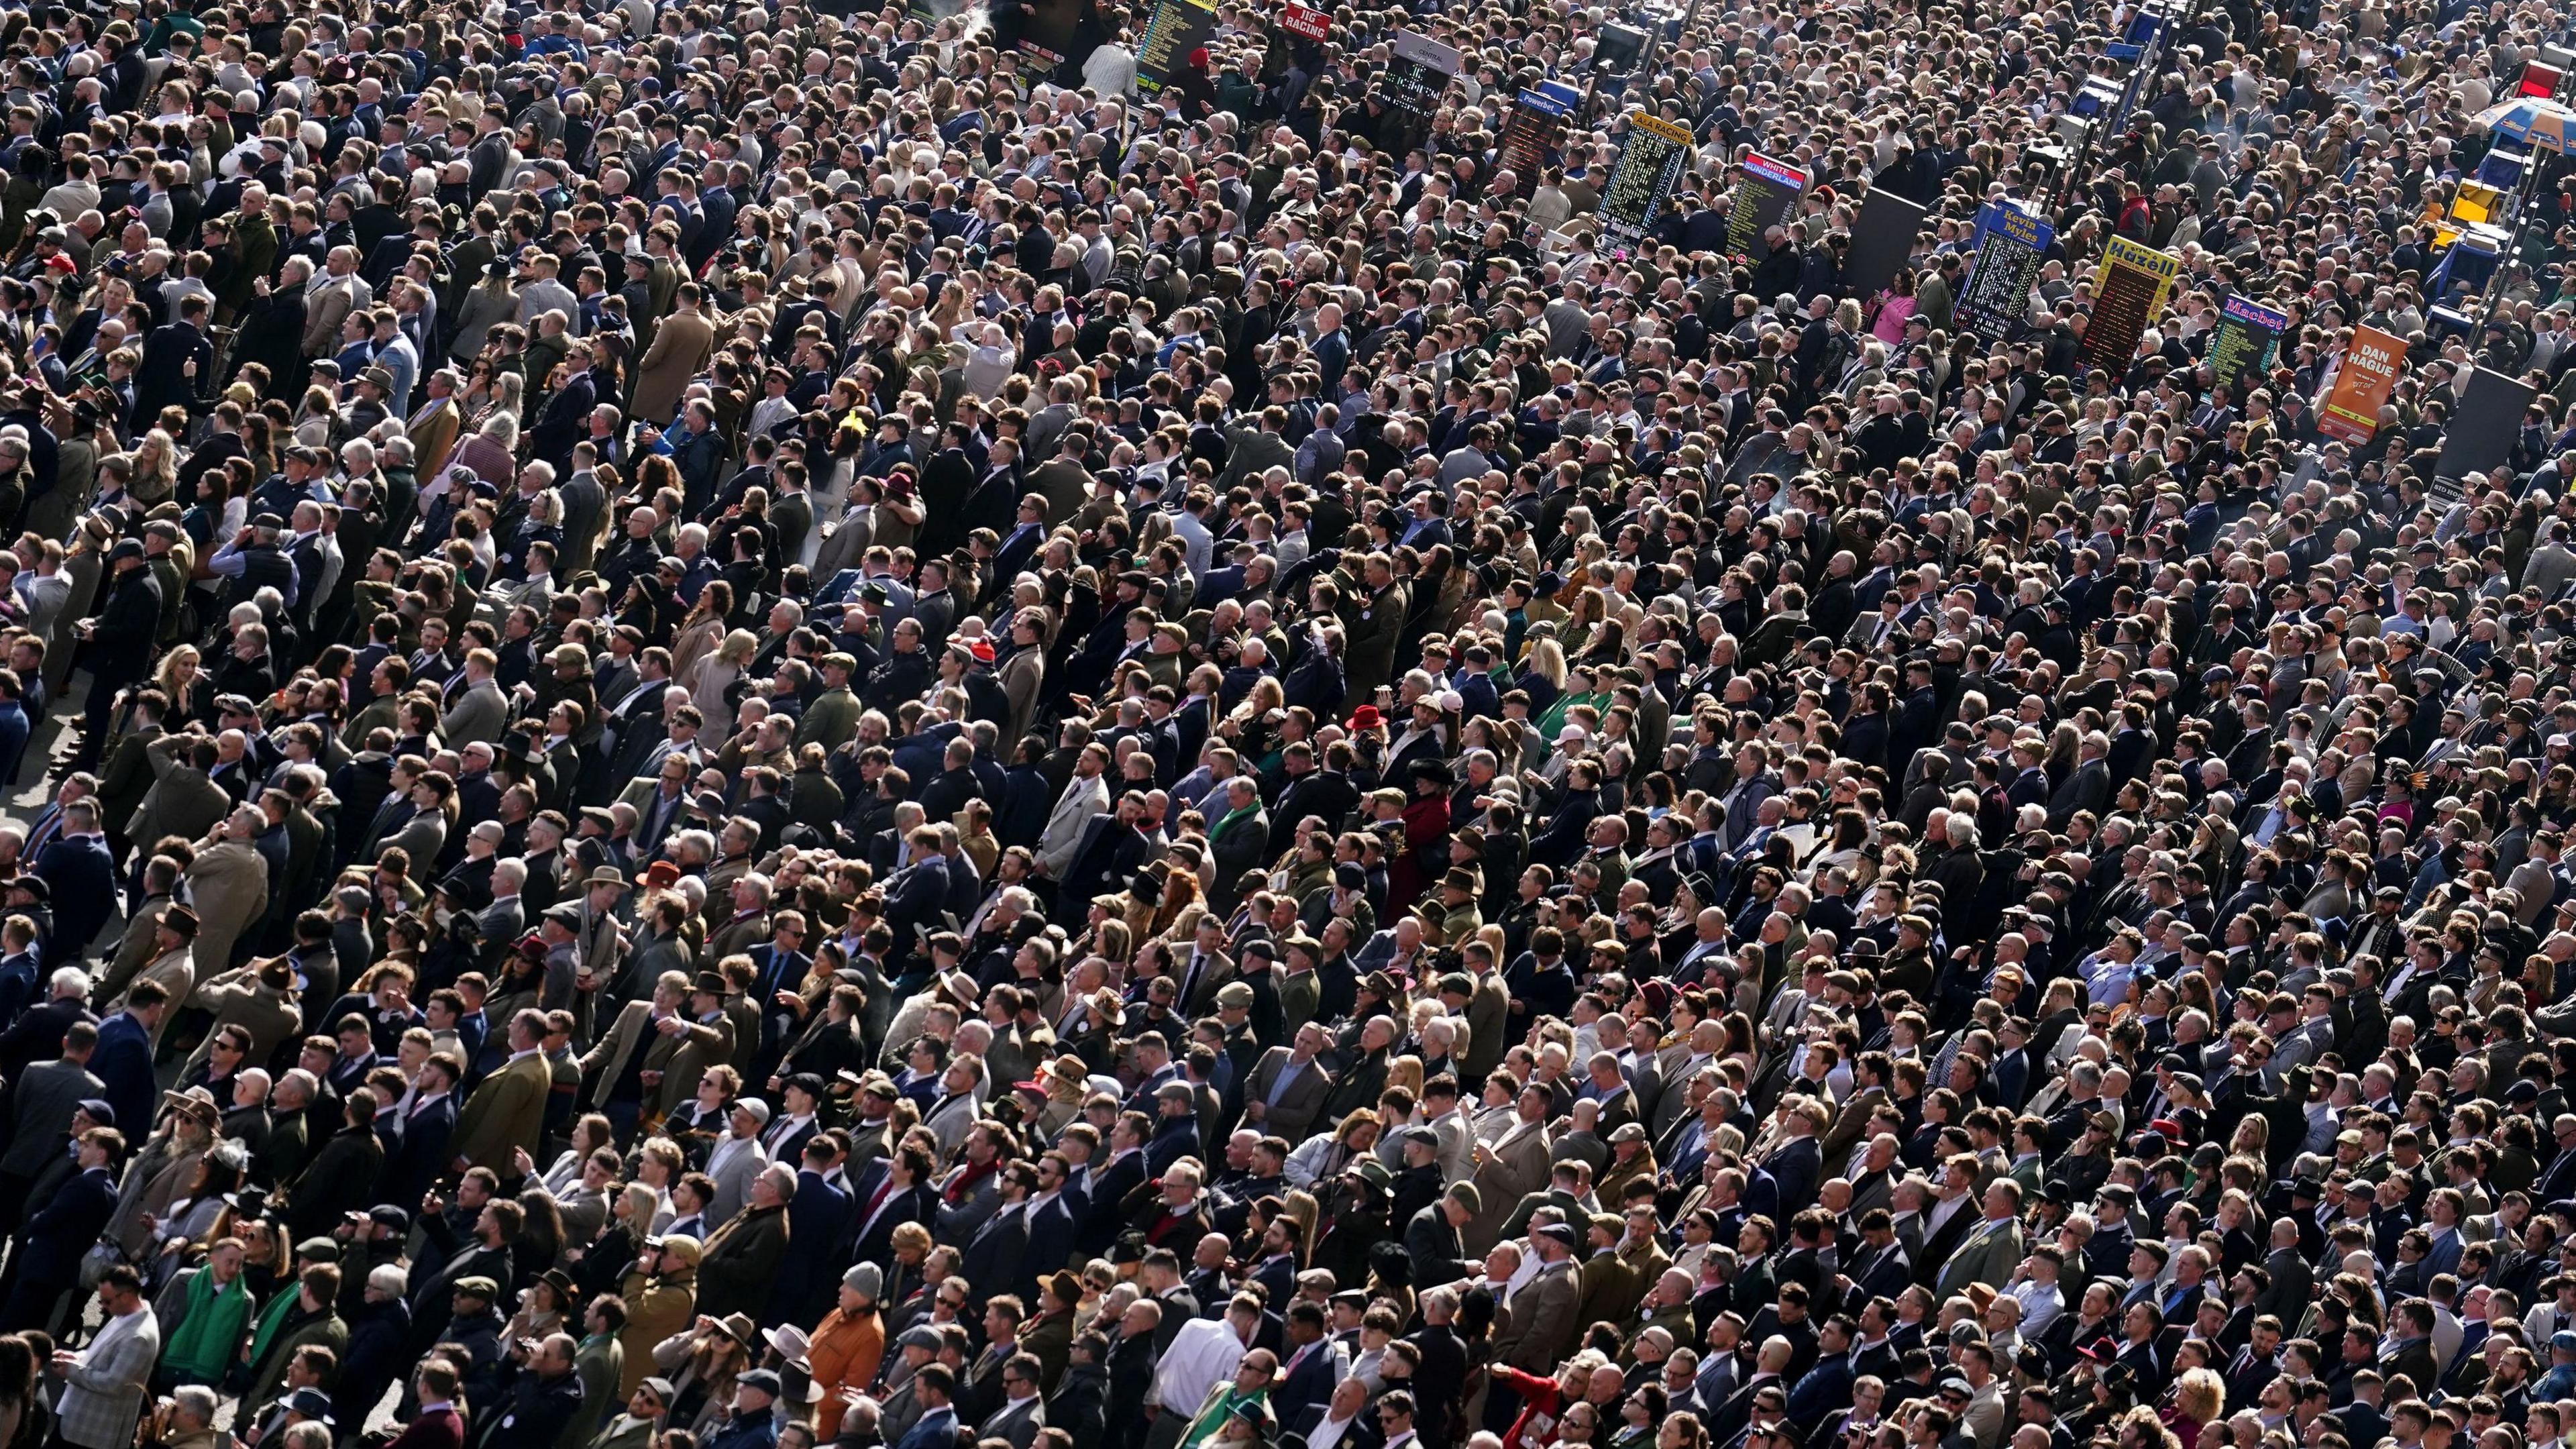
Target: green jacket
{"points": [[201, 1346]]}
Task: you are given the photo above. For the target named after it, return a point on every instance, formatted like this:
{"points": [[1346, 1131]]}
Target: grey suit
{"points": [[476, 717], [105, 1390], [1294, 1114], [743, 1161], [421, 837], [48, 1093], [2548, 569], [1254, 453]]}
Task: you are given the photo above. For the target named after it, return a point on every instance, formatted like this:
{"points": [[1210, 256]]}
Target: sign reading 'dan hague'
{"points": [[1176, 28], [1534, 130], [2362, 384], [1418, 74], [2243, 340], [2485, 425], [1651, 157], [2126, 293], [2010, 244], [1882, 237], [1764, 191]]}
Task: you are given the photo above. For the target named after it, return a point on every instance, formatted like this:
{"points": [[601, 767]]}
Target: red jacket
{"points": [[434, 1429]]}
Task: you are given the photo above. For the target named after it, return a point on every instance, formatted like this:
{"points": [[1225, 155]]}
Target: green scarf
{"points": [[1231, 816], [202, 1347], [274, 1318], [1213, 1417]]}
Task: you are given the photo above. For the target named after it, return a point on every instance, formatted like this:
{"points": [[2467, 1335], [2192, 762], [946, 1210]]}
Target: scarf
{"points": [[1218, 1410], [204, 1340], [1241, 812], [963, 1185]]}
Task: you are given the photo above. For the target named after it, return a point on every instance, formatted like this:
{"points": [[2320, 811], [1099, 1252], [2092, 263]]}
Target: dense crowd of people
{"points": [[791, 727]]}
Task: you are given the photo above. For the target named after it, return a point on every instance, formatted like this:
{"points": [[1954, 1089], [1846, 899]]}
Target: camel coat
{"points": [[228, 885], [680, 347]]}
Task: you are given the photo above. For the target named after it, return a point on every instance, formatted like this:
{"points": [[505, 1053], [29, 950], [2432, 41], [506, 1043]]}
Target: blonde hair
{"points": [[2201, 1395]]}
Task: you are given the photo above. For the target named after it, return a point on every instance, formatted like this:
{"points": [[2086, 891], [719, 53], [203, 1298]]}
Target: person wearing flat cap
{"points": [[118, 644], [1176, 1127], [1547, 1334], [752, 1420], [172, 967], [1432, 1235]]}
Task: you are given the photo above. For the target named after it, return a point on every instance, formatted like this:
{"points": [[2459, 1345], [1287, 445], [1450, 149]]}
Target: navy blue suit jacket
{"points": [[421, 1153], [58, 1235], [123, 1061], [82, 876]]}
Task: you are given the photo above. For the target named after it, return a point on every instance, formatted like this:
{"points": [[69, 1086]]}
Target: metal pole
{"points": [[1655, 41]]}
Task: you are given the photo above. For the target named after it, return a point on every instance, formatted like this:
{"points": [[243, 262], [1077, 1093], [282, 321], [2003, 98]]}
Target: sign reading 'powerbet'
{"points": [[1533, 131], [2126, 293], [1651, 157], [1995, 298], [1764, 191]]}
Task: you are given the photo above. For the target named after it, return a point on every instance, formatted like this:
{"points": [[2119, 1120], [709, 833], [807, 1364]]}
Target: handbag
{"points": [[94, 1264]]}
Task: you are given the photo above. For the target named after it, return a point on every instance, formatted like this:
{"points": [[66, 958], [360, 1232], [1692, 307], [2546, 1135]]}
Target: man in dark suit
{"points": [[177, 361], [1106, 858], [1105, 1187], [123, 1061], [2409, 1349], [1341, 1422], [49, 1104], [2087, 788], [1431, 1237], [1826, 1388], [1444, 1366], [49, 1249], [1054, 1219], [1314, 1365], [1798, 1165], [917, 897], [420, 1156], [76, 864], [1001, 1243]]}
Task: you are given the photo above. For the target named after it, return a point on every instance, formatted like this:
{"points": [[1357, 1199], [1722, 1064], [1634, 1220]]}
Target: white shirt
{"points": [[122, 1326], [1202, 1355], [1329, 1433]]}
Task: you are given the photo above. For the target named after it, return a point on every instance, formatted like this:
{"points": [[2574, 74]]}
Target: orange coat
{"points": [[844, 1350]]}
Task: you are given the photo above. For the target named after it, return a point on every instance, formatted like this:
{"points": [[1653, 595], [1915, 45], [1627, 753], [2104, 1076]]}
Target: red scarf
{"points": [[962, 1185]]}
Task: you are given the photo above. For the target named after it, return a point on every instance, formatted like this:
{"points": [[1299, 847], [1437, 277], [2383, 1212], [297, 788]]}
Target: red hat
{"points": [[61, 263], [661, 875], [982, 649], [1199, 58], [1364, 718]]}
